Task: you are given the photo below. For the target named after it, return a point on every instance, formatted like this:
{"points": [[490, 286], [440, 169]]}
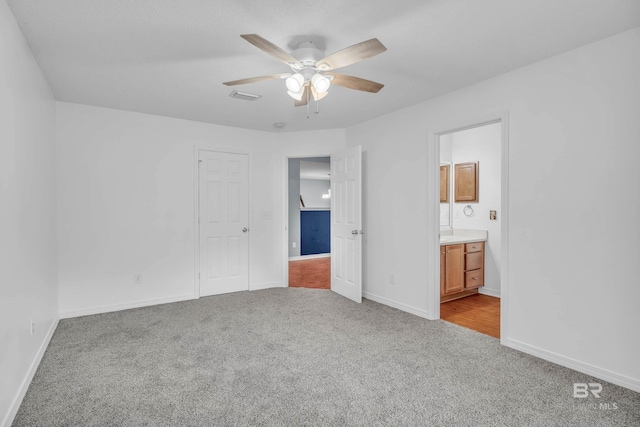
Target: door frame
{"points": [[285, 210], [433, 157], [197, 148]]}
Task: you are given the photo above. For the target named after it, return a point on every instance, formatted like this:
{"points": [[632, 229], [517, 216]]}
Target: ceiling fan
{"points": [[310, 76]]}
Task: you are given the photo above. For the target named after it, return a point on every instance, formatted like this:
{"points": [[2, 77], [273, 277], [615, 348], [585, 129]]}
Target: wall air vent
{"points": [[244, 95]]}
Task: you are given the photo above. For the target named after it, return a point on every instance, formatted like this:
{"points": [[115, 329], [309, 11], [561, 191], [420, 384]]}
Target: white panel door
{"points": [[224, 222], [346, 223]]}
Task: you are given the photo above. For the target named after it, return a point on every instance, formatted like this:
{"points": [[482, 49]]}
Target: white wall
{"points": [[573, 153], [126, 204], [446, 147], [28, 288], [484, 145]]}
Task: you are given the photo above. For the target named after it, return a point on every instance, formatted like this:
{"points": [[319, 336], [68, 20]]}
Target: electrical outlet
{"points": [[33, 327], [294, 244], [137, 279], [492, 215], [392, 279]]}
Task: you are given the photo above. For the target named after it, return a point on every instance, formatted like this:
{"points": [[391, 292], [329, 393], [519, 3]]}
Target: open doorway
{"points": [[345, 221], [471, 226], [309, 201]]}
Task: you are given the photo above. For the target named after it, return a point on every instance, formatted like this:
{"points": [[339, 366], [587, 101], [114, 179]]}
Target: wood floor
{"points": [[310, 273], [478, 312]]}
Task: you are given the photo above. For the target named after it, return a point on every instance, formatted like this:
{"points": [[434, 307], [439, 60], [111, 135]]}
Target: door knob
{"points": [[245, 229], [355, 232]]}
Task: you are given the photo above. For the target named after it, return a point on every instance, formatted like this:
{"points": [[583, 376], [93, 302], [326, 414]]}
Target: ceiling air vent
{"points": [[244, 95]]}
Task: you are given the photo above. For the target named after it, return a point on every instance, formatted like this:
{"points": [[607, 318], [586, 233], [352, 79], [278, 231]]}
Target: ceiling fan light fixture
{"points": [[320, 83], [295, 82], [317, 96], [296, 95]]}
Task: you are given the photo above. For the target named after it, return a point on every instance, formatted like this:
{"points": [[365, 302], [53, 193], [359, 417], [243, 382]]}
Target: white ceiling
{"points": [[170, 57], [315, 168]]}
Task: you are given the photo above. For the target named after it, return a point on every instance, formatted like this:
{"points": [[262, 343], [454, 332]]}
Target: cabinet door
{"points": [[444, 184], [466, 182], [454, 268], [443, 271]]}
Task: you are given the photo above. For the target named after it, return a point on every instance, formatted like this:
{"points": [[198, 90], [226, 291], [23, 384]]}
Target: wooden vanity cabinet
{"points": [[453, 272], [473, 265], [461, 270]]}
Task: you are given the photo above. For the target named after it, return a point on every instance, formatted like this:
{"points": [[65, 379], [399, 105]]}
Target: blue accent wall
{"points": [[315, 232]]}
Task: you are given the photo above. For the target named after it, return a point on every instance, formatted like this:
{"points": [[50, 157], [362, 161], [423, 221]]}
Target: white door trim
{"points": [[285, 210], [197, 148], [433, 185]]}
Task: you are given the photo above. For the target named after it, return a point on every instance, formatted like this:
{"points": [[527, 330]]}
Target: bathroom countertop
{"points": [[457, 235]]}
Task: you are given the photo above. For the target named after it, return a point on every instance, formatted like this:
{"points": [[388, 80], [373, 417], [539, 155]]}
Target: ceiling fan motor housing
{"points": [[307, 54]]}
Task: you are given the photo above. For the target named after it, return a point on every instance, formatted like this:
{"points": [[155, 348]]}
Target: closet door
{"points": [[223, 222]]}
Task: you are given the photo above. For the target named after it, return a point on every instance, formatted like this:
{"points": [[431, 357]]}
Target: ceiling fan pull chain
{"points": [[317, 107], [307, 92]]}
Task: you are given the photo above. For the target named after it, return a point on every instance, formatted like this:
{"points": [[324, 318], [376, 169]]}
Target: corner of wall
{"points": [[33, 367]]}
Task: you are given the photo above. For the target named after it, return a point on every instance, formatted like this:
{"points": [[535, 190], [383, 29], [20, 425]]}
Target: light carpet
{"points": [[300, 357]]}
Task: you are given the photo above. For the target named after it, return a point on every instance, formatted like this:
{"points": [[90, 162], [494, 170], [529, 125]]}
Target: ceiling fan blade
{"points": [[305, 97], [256, 79], [355, 83], [271, 49], [351, 55]]}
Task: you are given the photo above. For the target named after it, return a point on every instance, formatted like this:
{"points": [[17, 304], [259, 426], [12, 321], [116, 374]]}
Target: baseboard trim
{"points": [[269, 285], [576, 365], [125, 306], [24, 386], [400, 306], [490, 292], [314, 256]]}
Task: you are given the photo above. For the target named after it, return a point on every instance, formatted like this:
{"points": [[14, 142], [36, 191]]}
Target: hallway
{"points": [[310, 273]]}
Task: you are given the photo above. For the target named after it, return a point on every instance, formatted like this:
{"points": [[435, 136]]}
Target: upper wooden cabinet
{"points": [[466, 182], [444, 184]]}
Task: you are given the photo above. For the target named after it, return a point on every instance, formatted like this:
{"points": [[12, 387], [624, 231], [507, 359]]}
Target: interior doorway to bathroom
{"points": [[471, 226], [309, 194]]}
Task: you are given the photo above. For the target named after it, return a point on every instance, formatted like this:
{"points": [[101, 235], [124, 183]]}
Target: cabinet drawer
{"points": [[473, 247], [473, 261], [474, 278]]}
